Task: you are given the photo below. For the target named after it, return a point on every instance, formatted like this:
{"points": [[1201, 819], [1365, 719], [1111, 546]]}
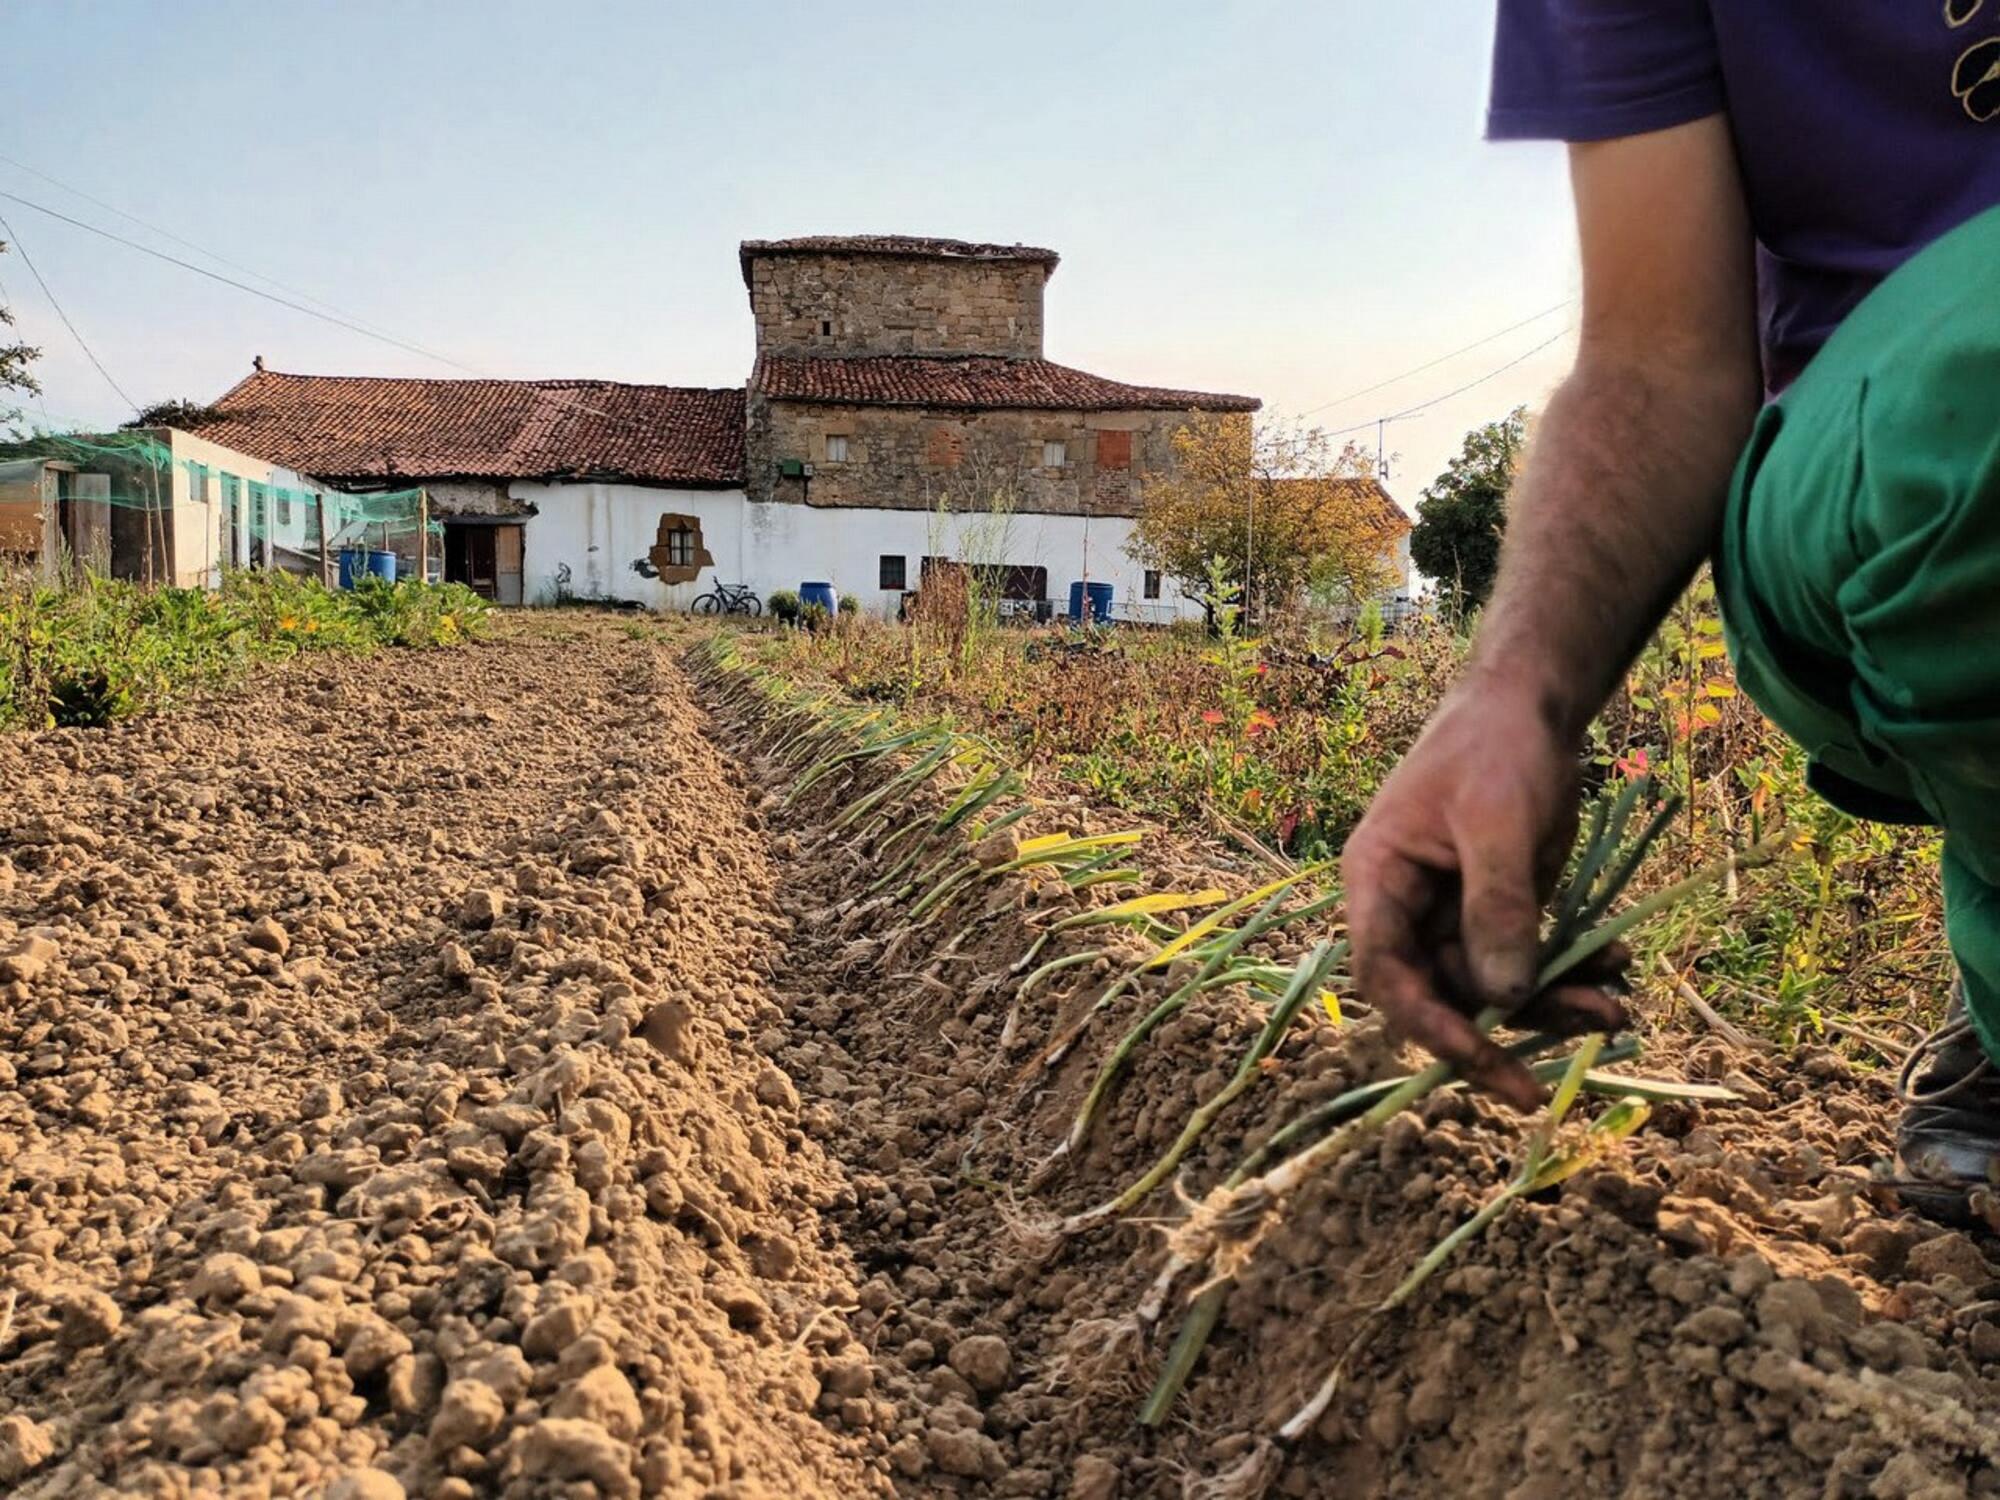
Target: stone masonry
{"points": [[871, 304], [908, 374], [905, 459]]}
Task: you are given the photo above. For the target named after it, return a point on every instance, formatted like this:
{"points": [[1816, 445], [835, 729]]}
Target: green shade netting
{"points": [[140, 470]]}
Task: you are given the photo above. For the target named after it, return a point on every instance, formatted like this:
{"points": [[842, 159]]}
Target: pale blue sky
{"points": [[1286, 199]]}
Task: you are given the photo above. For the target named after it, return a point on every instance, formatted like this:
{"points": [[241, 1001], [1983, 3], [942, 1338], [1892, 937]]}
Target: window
{"points": [[1151, 587], [284, 507], [198, 484], [1054, 455], [836, 448], [681, 543], [894, 573], [1114, 450], [826, 327]]}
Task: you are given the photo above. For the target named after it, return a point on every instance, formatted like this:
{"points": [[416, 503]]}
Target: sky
{"points": [[1286, 199]]}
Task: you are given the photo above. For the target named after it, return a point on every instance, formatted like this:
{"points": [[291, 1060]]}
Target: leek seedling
{"points": [[1306, 981], [1226, 1227]]}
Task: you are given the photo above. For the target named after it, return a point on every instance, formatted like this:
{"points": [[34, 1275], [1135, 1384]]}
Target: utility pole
{"points": [[1249, 548]]}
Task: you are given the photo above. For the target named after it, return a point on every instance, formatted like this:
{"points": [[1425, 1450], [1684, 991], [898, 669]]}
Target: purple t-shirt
{"points": [[1865, 128]]}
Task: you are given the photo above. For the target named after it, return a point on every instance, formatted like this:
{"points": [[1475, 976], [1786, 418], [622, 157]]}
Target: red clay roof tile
{"points": [[969, 382], [353, 427]]}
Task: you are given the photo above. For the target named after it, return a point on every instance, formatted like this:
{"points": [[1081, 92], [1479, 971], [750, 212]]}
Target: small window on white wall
{"points": [[1054, 455], [1151, 584], [836, 448]]}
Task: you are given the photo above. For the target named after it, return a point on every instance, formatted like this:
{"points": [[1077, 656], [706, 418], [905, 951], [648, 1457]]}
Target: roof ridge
{"points": [[539, 382]]}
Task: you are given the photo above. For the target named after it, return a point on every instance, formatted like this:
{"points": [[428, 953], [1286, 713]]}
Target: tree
{"points": [[14, 362], [1284, 500], [184, 414], [1462, 513]]}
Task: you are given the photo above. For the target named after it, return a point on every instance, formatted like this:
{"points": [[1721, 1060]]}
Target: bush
{"points": [[102, 650], [849, 605], [784, 606]]}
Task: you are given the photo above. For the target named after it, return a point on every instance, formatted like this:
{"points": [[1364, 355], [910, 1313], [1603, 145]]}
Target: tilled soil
{"points": [[463, 1074]]}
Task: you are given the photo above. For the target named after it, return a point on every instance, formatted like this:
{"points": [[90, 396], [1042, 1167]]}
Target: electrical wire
{"points": [[81, 343], [1428, 364], [168, 234], [557, 397], [241, 286], [1422, 406]]}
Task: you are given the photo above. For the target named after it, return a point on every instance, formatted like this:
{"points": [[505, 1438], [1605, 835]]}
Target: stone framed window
{"points": [[836, 447], [1114, 450], [677, 554], [1055, 453]]}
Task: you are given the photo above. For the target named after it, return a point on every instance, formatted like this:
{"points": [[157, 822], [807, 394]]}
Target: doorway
{"points": [[486, 558]]}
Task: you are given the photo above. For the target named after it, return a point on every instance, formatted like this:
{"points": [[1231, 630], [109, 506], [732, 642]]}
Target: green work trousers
{"points": [[1859, 574]]}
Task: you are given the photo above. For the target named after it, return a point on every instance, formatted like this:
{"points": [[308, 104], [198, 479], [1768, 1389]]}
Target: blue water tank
{"points": [[1100, 602], [383, 565], [823, 594]]}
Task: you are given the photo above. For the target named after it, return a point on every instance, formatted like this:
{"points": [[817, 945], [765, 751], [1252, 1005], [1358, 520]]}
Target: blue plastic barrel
{"points": [[823, 594], [383, 565], [1100, 602], [353, 563]]}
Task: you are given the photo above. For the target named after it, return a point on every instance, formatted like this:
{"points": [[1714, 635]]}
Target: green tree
{"points": [[1462, 513], [14, 362], [184, 414], [1299, 510]]}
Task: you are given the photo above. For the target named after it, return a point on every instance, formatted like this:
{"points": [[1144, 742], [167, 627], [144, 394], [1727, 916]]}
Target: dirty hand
{"points": [[1446, 877]]}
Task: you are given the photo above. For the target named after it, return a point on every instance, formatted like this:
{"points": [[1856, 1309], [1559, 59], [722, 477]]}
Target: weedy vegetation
{"points": [[89, 651]]}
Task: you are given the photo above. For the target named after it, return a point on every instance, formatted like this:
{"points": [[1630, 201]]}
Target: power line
{"points": [[29, 261], [241, 286], [168, 234], [1433, 363], [1422, 406], [555, 396]]}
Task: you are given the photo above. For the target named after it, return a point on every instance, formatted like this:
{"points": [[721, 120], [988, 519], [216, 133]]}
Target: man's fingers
{"points": [[1502, 916], [1572, 1009], [1414, 1012]]}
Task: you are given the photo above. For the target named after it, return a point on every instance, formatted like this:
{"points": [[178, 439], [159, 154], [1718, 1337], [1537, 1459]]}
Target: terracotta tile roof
{"points": [[1371, 503], [356, 426], [969, 382], [918, 246]]}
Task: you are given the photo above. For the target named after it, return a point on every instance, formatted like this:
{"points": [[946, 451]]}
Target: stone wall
{"points": [[876, 304], [909, 458]]}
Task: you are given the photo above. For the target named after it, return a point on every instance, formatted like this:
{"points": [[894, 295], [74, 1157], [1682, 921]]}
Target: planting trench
{"points": [[470, 1074]]}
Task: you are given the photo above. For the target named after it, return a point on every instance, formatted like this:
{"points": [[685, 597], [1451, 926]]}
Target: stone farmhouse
{"points": [[900, 411]]}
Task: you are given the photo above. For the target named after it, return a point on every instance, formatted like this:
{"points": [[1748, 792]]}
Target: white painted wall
{"points": [[199, 514], [599, 530]]}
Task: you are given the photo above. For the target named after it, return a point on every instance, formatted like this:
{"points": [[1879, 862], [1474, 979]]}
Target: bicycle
{"points": [[729, 599]]}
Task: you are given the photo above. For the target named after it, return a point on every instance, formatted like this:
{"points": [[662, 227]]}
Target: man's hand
{"points": [[1447, 876], [1624, 484]]}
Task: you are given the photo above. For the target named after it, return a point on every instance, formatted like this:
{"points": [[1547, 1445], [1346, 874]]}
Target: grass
{"points": [[899, 775], [1282, 741], [92, 651]]}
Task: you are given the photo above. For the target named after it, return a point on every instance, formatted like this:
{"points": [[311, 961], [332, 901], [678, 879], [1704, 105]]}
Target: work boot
{"points": [[1948, 1141]]}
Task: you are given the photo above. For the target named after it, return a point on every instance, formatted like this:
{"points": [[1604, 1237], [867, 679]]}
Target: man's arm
{"points": [[1619, 503]]}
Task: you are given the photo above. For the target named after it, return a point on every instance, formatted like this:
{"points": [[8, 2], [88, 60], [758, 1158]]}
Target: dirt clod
{"points": [[984, 1361]]}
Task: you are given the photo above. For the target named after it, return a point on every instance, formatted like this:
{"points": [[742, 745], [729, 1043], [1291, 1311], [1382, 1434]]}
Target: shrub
{"points": [[784, 606], [101, 650], [849, 605]]}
